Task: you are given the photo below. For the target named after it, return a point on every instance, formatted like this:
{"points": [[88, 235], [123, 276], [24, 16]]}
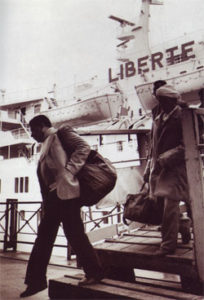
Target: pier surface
{"points": [[12, 274]]}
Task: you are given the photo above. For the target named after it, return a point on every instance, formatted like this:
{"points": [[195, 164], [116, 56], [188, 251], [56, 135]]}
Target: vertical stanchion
{"points": [[13, 223], [10, 237], [195, 181], [6, 226]]}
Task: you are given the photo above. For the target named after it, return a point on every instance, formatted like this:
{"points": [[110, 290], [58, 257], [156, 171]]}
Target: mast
{"points": [[141, 31]]}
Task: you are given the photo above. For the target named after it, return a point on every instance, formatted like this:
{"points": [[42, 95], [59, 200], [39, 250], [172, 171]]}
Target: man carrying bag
{"points": [[166, 170], [165, 174], [60, 188]]}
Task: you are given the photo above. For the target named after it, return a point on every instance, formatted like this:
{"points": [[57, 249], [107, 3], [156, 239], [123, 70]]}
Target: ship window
{"points": [[16, 185], [21, 184], [37, 108], [120, 146], [23, 110], [26, 184]]}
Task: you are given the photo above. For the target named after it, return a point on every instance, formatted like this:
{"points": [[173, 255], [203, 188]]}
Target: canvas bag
{"points": [[139, 208], [96, 178]]}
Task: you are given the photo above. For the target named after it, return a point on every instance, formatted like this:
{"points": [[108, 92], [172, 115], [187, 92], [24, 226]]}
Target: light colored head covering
{"points": [[168, 90]]}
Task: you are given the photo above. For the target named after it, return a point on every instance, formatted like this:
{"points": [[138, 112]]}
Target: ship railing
{"points": [[13, 223], [20, 133], [24, 124], [119, 137]]}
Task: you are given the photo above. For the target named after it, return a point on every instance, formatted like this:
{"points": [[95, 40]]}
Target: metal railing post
{"points": [[10, 237], [13, 223], [6, 226]]}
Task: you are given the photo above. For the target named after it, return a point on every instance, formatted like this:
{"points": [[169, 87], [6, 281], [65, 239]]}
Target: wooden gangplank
{"points": [[121, 255], [136, 250], [67, 288]]}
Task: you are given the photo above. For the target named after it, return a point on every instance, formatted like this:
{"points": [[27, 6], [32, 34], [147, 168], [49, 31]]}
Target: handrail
{"points": [[20, 133], [96, 222], [113, 131]]}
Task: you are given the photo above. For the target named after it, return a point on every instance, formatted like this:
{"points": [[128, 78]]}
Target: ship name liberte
{"points": [[154, 61]]}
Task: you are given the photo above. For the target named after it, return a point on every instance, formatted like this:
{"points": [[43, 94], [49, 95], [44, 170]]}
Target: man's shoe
{"points": [[184, 229], [163, 252], [88, 281], [33, 289]]}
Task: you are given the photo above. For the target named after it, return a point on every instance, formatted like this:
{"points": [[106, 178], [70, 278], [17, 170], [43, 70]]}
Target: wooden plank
{"points": [[139, 237], [182, 251], [152, 234], [176, 286], [158, 276], [178, 255], [149, 241], [130, 257], [111, 246], [149, 229], [116, 246], [189, 254], [155, 291], [67, 288], [103, 246], [144, 241], [138, 249], [136, 238], [144, 249], [140, 234]]}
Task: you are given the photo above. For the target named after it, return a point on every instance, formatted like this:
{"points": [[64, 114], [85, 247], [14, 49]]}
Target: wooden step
{"points": [[121, 255], [137, 250], [67, 288]]}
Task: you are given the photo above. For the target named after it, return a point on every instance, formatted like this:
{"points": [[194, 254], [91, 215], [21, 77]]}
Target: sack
{"points": [[97, 178], [139, 208]]}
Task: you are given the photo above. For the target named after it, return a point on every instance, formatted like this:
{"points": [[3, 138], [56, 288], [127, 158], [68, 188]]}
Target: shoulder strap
{"points": [[143, 185]]}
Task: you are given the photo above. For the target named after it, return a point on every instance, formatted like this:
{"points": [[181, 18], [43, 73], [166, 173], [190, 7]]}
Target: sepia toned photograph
{"points": [[101, 149]]}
